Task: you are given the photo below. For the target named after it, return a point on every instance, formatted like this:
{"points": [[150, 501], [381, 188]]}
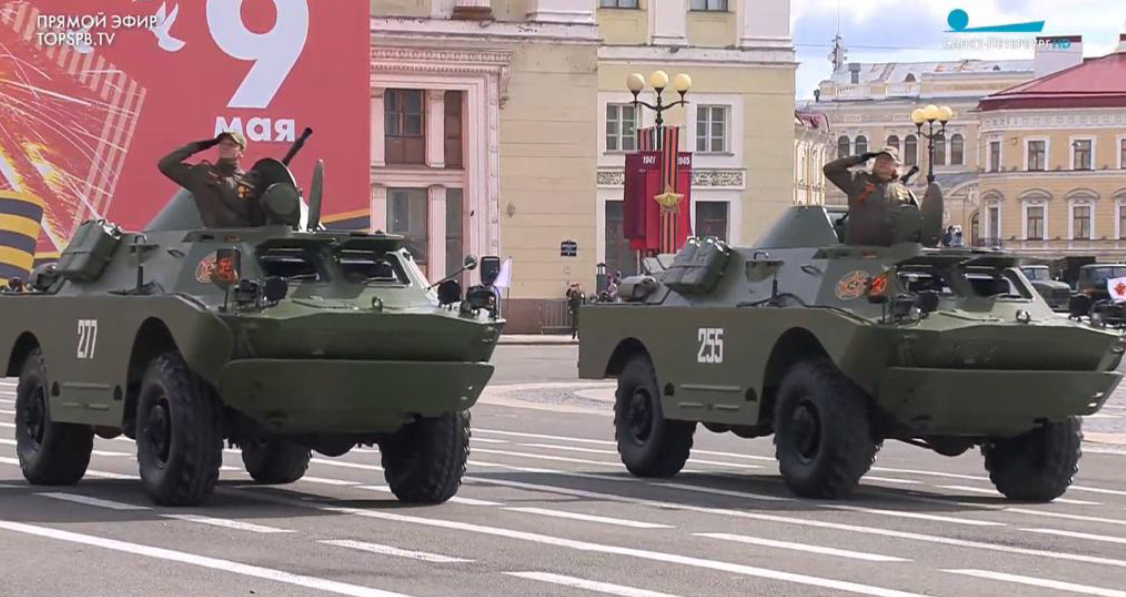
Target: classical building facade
{"points": [[500, 127], [1053, 178], [812, 141]]}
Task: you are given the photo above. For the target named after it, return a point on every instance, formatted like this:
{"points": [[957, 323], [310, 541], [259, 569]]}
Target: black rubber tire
{"points": [[830, 465], [649, 444], [424, 461], [1037, 466], [49, 453], [275, 462], [177, 410]]}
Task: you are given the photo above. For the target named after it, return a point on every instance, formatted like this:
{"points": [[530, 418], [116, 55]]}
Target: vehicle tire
{"points": [[424, 461], [49, 453], [179, 434], [823, 440], [1037, 466], [649, 444], [275, 462]]}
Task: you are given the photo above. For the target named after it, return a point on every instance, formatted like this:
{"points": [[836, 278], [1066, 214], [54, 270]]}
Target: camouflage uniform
{"points": [[225, 194], [872, 203]]}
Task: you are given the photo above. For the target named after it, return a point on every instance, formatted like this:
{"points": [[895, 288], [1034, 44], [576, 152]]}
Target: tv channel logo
{"points": [[959, 21]]}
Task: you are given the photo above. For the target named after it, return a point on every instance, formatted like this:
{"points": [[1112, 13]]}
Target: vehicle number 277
{"points": [[87, 338], [711, 345]]}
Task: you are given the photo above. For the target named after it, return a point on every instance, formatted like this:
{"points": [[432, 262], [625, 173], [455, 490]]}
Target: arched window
{"points": [[861, 145], [843, 146], [893, 140], [957, 150], [910, 150], [940, 150], [910, 78]]}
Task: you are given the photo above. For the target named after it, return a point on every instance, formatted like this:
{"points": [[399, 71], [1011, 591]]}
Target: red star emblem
{"points": [[1120, 288]]}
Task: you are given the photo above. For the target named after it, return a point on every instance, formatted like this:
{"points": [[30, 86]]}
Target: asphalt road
{"points": [[547, 509]]}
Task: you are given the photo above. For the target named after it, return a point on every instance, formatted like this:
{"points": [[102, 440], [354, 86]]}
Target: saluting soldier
{"points": [[226, 195], [874, 198]]}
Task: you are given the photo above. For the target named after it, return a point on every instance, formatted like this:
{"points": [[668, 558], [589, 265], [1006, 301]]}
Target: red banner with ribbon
{"points": [[658, 202]]}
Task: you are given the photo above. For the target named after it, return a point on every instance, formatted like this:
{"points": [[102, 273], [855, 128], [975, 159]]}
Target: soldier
{"points": [[575, 299], [225, 194], [873, 198]]}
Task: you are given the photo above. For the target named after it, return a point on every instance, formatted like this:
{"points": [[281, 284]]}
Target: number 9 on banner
{"points": [[274, 53]]}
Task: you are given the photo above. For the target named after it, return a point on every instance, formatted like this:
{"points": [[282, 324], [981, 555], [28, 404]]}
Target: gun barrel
{"points": [[297, 145]]}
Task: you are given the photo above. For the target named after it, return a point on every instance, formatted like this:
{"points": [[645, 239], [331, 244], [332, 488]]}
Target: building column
{"points": [[563, 11], [378, 151], [670, 22], [766, 25], [378, 207], [470, 10], [436, 128], [436, 233]]}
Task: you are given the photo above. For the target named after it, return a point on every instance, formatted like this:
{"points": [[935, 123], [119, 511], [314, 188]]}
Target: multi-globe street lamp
{"points": [[659, 80], [928, 115]]}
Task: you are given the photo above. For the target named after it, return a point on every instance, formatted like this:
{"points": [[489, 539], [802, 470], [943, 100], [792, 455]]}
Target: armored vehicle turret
{"points": [[834, 348], [281, 339]]}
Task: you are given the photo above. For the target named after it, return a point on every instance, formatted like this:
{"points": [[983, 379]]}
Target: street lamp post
{"points": [[928, 115], [659, 80]]}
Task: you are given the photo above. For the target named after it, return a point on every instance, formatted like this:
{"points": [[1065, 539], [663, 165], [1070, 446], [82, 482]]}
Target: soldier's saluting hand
{"points": [[225, 194], [873, 197]]}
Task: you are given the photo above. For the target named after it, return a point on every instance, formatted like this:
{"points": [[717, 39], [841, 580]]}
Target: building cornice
{"points": [[716, 57], [461, 61], [1034, 177], [702, 178], [384, 29], [1061, 119]]}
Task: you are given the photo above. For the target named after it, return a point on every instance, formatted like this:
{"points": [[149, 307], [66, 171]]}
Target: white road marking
{"points": [[930, 473], [724, 492], [915, 515], [2, 486], [624, 551], [614, 453], [106, 475], [1097, 490], [588, 518], [485, 440], [580, 440], [1041, 582], [828, 551], [90, 501], [455, 499], [324, 481], [1074, 535], [891, 480], [546, 457], [229, 524], [1065, 516], [4, 411], [994, 492], [387, 550], [196, 560], [589, 585], [802, 522], [345, 464], [548, 471], [8, 425], [105, 453]]}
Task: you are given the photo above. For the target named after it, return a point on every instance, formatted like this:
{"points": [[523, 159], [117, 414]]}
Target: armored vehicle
{"points": [[280, 340], [1092, 298], [1056, 293], [834, 348]]}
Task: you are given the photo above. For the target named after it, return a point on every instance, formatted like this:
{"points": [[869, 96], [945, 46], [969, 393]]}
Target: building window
{"points": [[455, 239], [407, 214], [453, 151], [893, 140], [1081, 222], [994, 156], [621, 127], [714, 5], [1037, 156], [993, 224], [861, 145], [1122, 153], [1122, 222], [843, 147], [975, 229], [619, 257], [404, 134], [1034, 222], [940, 150], [617, 3], [1081, 154], [711, 129], [911, 150], [957, 150], [711, 219]]}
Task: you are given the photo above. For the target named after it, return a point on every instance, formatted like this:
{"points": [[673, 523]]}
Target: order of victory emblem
{"points": [[852, 285]]}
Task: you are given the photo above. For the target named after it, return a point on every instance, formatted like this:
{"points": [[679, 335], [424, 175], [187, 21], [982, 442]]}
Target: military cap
{"points": [[890, 150], [234, 136]]}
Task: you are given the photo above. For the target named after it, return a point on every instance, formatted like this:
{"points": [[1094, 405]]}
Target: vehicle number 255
{"points": [[711, 345]]}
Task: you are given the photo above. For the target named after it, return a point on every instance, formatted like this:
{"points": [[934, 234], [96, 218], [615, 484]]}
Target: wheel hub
{"points": [[34, 415], [158, 433], [806, 426], [640, 415]]}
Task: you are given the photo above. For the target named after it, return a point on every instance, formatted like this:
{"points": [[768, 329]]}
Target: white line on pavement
{"points": [[1041, 582], [725, 492], [614, 453], [588, 518], [455, 499], [890, 480], [229, 524], [828, 551], [929, 473], [915, 515], [91, 501], [994, 492], [1065, 516], [589, 585], [345, 464], [486, 440], [205, 562], [1097, 490], [2, 486], [106, 475], [1074, 535], [323, 481], [387, 550], [547, 457], [4, 411], [808, 522], [580, 440], [8, 425]]}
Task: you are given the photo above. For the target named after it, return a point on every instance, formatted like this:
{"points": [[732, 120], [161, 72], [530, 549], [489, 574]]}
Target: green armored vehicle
{"points": [[281, 339], [834, 348]]}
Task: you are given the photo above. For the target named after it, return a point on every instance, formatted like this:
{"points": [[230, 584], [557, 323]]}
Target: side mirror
{"points": [[228, 268], [481, 297], [449, 292], [490, 269]]}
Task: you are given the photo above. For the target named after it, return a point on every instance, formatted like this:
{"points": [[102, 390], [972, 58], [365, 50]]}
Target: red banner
{"points": [[642, 221], [93, 94]]}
